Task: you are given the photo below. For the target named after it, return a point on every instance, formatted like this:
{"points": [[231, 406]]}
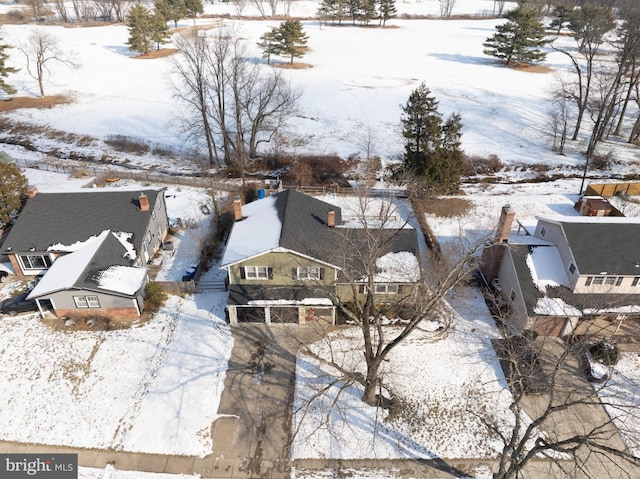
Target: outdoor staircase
{"points": [[206, 286]]}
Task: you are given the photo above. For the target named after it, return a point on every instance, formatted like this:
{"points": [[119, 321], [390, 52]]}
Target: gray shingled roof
{"points": [[613, 248], [110, 253], [65, 218], [602, 302]]}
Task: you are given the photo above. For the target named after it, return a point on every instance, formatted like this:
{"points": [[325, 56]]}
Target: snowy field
{"points": [[351, 96]]}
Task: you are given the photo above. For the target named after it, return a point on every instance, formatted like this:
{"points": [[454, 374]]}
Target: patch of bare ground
{"points": [[526, 67], [163, 52], [19, 102], [446, 207], [293, 66]]}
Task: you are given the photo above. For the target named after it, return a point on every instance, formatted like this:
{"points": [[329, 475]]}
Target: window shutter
{"points": [[294, 273], [321, 274], [243, 273], [270, 272]]}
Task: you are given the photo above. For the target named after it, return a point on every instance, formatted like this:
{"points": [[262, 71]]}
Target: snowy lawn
{"points": [[438, 381], [152, 388], [621, 395]]}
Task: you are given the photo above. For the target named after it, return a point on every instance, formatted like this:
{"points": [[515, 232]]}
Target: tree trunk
{"points": [[370, 396]]}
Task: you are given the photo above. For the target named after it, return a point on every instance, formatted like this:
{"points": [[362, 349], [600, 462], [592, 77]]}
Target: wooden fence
{"points": [[611, 189]]}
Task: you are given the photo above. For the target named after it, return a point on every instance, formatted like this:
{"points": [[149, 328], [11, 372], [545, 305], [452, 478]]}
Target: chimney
{"points": [[237, 208], [331, 219], [33, 191], [507, 216], [143, 200]]}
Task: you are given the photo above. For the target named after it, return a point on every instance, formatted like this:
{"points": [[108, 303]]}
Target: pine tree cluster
{"points": [[288, 39], [13, 192], [358, 11], [433, 155]]}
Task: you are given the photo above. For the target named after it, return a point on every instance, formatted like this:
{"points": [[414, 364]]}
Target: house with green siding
{"points": [[290, 257]]}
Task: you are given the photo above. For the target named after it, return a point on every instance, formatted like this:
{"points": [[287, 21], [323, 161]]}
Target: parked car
{"points": [[3, 276], [18, 304]]}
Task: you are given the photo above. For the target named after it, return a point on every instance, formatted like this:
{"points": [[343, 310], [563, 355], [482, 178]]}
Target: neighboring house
{"points": [[90, 247], [285, 260], [54, 224], [98, 279], [568, 274]]}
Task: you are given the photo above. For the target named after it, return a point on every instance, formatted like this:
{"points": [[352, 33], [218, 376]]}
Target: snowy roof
{"points": [[546, 267], [292, 221], [58, 221], [100, 264], [398, 267]]}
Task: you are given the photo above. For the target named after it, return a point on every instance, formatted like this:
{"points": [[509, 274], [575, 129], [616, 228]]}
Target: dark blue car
{"points": [[18, 304]]}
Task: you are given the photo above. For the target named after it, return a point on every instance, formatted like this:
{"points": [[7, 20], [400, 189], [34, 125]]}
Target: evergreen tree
{"points": [[13, 191], [387, 10], [560, 18], [354, 7], [193, 8], [432, 146], [159, 31], [368, 11], [5, 70], [171, 10], [140, 29], [293, 39], [520, 39], [270, 43]]}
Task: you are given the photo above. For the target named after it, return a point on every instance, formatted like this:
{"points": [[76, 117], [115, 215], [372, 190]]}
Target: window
{"points": [[610, 280], [257, 272], [598, 280], [635, 281], [86, 301], [543, 231], [35, 261], [308, 272], [384, 288], [588, 281], [572, 268]]}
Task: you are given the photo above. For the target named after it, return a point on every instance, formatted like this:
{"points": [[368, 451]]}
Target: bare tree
{"points": [[363, 303], [235, 104], [548, 426], [446, 8], [559, 114], [42, 50], [498, 6]]}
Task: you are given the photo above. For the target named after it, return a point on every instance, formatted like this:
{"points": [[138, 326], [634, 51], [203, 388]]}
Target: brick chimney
{"points": [[507, 215], [331, 219], [143, 200], [237, 208], [33, 191]]}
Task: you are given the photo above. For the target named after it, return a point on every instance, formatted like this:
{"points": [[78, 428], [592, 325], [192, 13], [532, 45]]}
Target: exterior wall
{"points": [[519, 318], [17, 267], [554, 234], [282, 265], [157, 229], [122, 314], [345, 293], [110, 305], [625, 287], [550, 326]]}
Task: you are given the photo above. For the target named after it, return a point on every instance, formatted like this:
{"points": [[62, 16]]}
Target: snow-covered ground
{"points": [[440, 382], [350, 99], [154, 387]]}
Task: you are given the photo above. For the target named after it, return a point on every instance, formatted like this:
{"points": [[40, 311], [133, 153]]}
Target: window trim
{"points": [[572, 268], [303, 273], [46, 260], [87, 301], [385, 288], [255, 272]]}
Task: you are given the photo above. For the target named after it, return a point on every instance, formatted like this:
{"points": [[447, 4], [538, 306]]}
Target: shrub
{"points": [[605, 352], [602, 162], [125, 144], [155, 297]]}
